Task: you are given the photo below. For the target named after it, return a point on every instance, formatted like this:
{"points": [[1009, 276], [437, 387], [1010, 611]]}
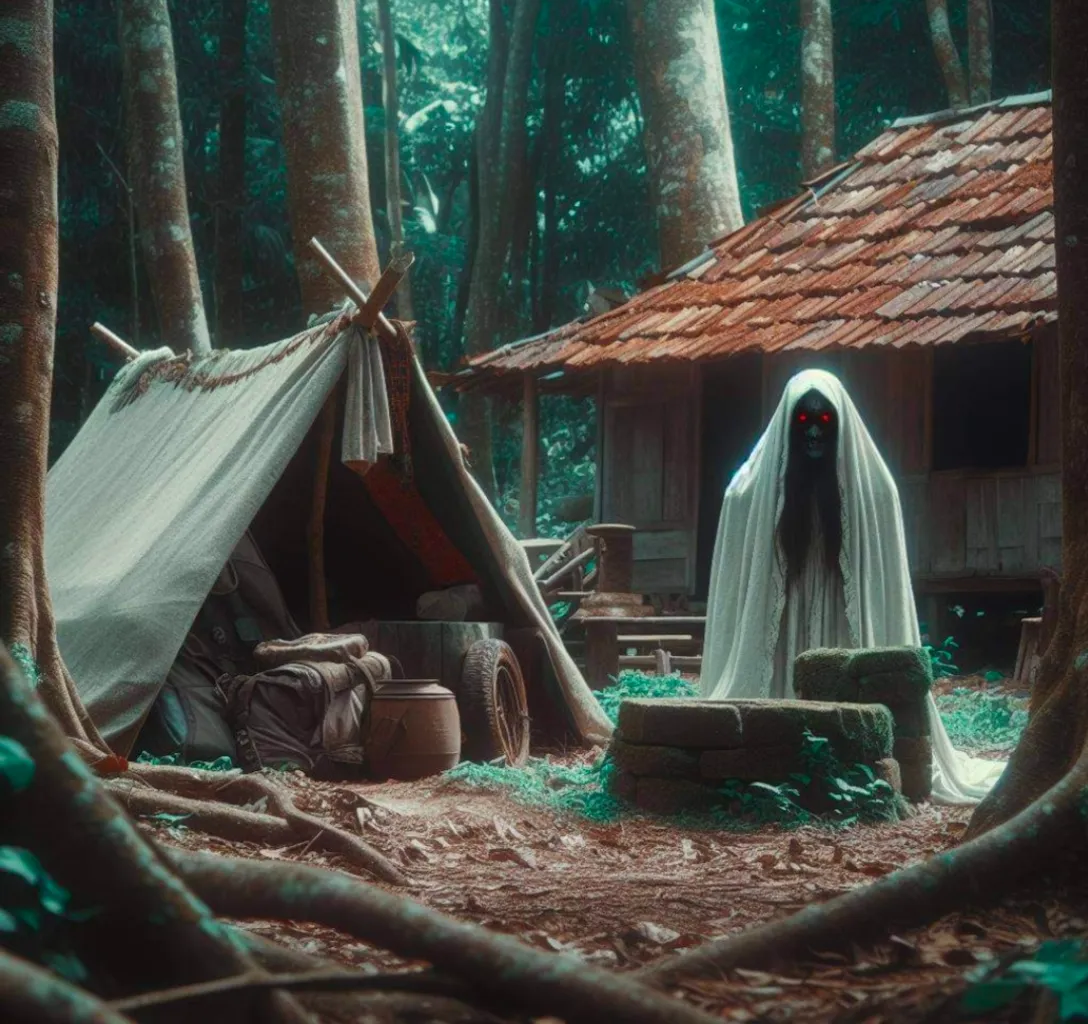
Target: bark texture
{"points": [[948, 57], [28, 312], [689, 147], [500, 162], [1058, 722], [817, 88], [86, 843], [980, 49], [229, 239], [388, 37], [321, 98], [156, 158]]}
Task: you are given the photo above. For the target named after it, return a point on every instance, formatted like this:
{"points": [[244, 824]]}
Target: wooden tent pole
{"points": [[370, 316], [121, 347]]}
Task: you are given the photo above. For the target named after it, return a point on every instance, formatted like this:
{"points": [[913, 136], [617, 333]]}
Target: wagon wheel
{"points": [[493, 705]]}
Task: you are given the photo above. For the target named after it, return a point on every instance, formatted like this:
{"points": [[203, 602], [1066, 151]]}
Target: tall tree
{"points": [[501, 136], [392, 147], [321, 98], [28, 312], [1056, 736], [229, 238], [817, 88], [980, 49], [157, 172], [689, 146], [948, 56]]}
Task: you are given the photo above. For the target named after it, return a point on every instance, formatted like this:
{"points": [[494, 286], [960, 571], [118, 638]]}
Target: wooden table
{"points": [[602, 640]]}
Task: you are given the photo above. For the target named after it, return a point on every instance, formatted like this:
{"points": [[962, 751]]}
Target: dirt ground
{"points": [[626, 894]]}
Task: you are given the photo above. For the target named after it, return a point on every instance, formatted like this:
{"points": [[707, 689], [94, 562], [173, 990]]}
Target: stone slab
{"points": [[646, 759], [674, 796], [623, 786], [910, 720], [894, 688], [913, 749], [906, 660], [887, 768], [754, 764], [824, 674], [917, 781], [858, 732]]}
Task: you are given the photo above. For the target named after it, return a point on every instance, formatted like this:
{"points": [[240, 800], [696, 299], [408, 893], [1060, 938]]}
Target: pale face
{"points": [[814, 426]]}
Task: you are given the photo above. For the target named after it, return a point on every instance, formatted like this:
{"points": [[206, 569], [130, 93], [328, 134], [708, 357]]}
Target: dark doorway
{"points": [[732, 420], [981, 405]]}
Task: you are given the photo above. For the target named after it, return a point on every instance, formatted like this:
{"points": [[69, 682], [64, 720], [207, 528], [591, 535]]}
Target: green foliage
{"points": [[16, 765], [979, 720], [35, 912], [630, 685], [941, 657], [220, 764], [1059, 967]]}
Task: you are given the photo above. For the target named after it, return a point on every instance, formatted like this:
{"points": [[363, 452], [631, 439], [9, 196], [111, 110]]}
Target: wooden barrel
{"points": [[414, 730]]}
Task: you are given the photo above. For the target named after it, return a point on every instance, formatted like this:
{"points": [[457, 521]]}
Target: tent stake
{"points": [[121, 347]]}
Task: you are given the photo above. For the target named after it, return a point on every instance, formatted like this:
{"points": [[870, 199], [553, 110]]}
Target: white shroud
{"points": [[756, 626]]}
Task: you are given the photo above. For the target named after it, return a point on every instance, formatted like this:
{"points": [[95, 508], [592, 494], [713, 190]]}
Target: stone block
{"points": [[623, 786], [674, 796], [910, 720], [755, 764], [903, 660], [824, 674], [662, 762], [887, 768], [670, 722], [915, 757], [894, 688], [857, 732], [913, 749]]}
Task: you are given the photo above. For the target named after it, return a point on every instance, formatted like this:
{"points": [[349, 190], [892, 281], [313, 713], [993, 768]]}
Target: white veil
{"points": [[748, 587]]}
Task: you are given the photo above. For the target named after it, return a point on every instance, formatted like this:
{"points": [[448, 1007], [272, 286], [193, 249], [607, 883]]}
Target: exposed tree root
{"points": [[32, 995], [498, 967], [85, 841], [982, 870], [194, 792]]}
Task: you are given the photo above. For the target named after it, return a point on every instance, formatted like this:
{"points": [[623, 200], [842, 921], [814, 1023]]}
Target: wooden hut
{"points": [[922, 272]]}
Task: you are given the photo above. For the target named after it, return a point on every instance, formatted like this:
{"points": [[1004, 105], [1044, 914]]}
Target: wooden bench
{"points": [[603, 658]]}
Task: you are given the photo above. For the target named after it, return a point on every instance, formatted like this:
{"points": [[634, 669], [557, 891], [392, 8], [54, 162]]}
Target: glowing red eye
{"points": [[826, 417], [802, 417]]}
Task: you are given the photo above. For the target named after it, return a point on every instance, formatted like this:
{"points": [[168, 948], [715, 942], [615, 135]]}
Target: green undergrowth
{"points": [[983, 719], [220, 764], [1060, 968], [850, 794]]}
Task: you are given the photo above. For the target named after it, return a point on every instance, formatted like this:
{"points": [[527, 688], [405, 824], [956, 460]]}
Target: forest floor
{"points": [[624, 893]]}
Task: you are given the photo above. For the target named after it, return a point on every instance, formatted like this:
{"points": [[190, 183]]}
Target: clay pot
{"points": [[414, 730]]}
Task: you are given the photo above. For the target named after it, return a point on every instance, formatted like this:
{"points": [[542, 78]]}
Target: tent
{"points": [[182, 456]]}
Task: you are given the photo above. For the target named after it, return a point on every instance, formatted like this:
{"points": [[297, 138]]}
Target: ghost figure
{"points": [[811, 553]]}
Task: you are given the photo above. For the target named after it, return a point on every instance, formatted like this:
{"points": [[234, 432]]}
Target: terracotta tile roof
{"points": [[939, 228]]}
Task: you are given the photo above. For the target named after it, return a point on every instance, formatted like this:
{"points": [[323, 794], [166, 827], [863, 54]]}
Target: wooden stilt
{"points": [[530, 452]]}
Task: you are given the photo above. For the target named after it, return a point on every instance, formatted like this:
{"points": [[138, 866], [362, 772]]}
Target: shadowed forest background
{"points": [[585, 218]]}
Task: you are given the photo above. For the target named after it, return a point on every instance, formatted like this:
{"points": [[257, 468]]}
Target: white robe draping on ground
{"points": [[757, 625]]}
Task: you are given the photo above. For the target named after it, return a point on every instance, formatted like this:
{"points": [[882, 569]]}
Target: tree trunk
{"points": [[817, 88], [229, 239], [1058, 722], [689, 148], [948, 57], [320, 89], [157, 172], [980, 49], [500, 159], [392, 149], [28, 314]]}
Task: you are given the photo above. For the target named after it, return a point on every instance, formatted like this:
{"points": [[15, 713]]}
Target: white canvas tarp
{"points": [[146, 504]]}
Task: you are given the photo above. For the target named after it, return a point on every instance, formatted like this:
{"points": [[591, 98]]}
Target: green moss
{"points": [[19, 34], [20, 114]]}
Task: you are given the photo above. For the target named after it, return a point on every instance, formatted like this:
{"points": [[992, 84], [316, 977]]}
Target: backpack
{"points": [[308, 714], [244, 607]]}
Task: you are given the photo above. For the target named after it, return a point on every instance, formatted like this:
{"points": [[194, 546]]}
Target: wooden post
{"points": [[122, 348], [602, 652], [615, 545], [319, 602], [530, 450]]}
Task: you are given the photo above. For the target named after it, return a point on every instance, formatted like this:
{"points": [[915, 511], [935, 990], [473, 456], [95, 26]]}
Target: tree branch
{"points": [[32, 995]]}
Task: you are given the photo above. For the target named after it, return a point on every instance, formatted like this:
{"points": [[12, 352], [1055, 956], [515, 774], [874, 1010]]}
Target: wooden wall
{"points": [[960, 525], [650, 470]]}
